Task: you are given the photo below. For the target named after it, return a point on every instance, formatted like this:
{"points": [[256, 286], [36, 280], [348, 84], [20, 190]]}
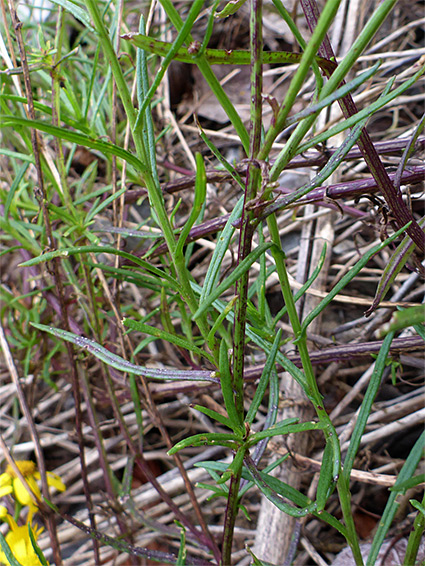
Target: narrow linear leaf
{"points": [[181, 558], [36, 548], [79, 13], [79, 125], [418, 506], [214, 415], [222, 246], [403, 319], [230, 8], [207, 439], [325, 478], [333, 163], [366, 406], [336, 95], [350, 122], [283, 428], [396, 263], [78, 138], [7, 552], [265, 345], [144, 118], [198, 203], [167, 336], [300, 293], [65, 252], [394, 499], [119, 363], [348, 277], [216, 152], [235, 466], [264, 379], [275, 497], [281, 489], [227, 390], [408, 484], [218, 56], [183, 33]]}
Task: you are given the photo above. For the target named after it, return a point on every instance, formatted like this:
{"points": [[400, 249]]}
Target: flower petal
{"points": [[21, 492], [55, 481], [5, 490]]}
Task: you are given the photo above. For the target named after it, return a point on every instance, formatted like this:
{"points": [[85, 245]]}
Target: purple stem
{"points": [[393, 197]]}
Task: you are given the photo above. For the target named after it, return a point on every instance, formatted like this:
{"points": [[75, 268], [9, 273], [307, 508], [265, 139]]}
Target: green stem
{"points": [[230, 518], [415, 538], [245, 241], [252, 182], [344, 494], [311, 389]]}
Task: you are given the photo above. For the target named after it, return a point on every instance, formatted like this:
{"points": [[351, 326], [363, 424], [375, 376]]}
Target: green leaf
{"points": [[214, 415], [417, 506], [264, 379], [183, 33], [80, 125], [348, 277], [144, 118], [222, 246], [288, 426], [234, 468], [79, 13], [181, 558], [326, 479], [366, 407], [207, 439], [198, 203], [119, 363], [350, 122], [167, 336], [78, 138], [324, 173], [404, 318], [14, 187], [408, 484], [334, 96], [257, 561], [227, 391], [65, 252], [217, 56], [35, 546], [230, 8], [215, 151], [394, 499], [396, 263], [274, 489]]}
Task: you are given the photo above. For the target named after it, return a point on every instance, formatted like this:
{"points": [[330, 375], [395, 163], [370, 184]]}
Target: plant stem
{"points": [[392, 196], [230, 518], [245, 241], [415, 538]]}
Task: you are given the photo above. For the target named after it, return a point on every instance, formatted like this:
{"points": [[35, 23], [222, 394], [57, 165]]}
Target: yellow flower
{"points": [[19, 542], [10, 484]]}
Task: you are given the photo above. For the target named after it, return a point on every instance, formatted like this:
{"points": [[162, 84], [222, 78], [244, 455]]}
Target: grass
{"points": [[160, 329]]}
